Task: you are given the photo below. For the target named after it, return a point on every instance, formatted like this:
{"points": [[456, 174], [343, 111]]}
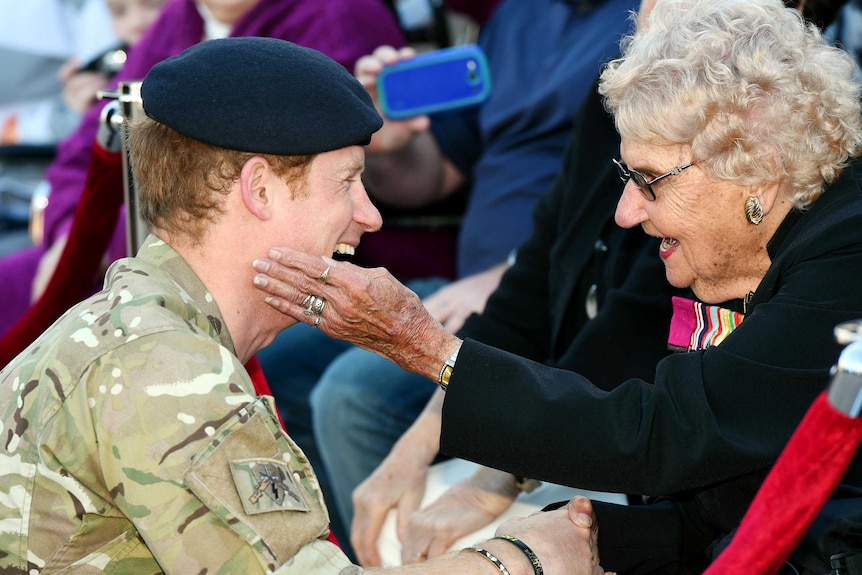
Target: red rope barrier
{"points": [[802, 480], [94, 221]]}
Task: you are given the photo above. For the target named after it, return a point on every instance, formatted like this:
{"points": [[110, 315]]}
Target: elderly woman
{"points": [[738, 126]]}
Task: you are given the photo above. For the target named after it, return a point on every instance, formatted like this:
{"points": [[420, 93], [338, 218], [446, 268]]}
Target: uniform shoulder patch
{"points": [[266, 485]]}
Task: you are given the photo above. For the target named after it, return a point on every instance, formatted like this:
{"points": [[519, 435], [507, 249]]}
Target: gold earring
{"points": [[753, 210]]}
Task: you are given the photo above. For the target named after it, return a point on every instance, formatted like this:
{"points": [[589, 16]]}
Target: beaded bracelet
{"points": [[534, 559], [490, 557]]}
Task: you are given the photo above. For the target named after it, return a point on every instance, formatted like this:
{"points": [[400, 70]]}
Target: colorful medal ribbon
{"points": [[696, 325]]}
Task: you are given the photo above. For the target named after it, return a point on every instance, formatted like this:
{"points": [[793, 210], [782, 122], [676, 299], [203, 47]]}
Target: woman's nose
{"points": [[630, 208]]}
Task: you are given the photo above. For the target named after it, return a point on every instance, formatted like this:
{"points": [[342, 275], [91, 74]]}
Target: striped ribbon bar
{"points": [[696, 325]]}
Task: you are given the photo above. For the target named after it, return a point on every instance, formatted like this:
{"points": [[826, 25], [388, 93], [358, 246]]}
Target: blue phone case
{"points": [[434, 82]]}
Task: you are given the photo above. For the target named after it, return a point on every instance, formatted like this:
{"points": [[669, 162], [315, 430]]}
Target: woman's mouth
{"points": [[345, 249], [668, 246]]}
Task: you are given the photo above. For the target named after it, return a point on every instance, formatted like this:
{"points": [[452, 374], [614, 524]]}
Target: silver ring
{"points": [[307, 300], [324, 275], [316, 321], [317, 306]]}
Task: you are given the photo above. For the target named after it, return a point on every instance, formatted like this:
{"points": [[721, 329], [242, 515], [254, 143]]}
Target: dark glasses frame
{"points": [[643, 183]]}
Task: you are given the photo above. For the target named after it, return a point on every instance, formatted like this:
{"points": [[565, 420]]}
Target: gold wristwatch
{"points": [[446, 370]]}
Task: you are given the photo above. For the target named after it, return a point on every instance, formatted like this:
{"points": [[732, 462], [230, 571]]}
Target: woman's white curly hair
{"points": [[756, 93]]}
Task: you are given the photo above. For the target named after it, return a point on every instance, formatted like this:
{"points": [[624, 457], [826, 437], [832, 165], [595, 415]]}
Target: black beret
{"points": [[260, 95]]}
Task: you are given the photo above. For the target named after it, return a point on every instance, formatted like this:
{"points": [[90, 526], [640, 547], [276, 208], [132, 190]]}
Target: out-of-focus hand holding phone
{"points": [[434, 81], [395, 134]]}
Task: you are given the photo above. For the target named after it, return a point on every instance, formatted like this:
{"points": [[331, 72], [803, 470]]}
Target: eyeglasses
{"points": [[641, 181]]}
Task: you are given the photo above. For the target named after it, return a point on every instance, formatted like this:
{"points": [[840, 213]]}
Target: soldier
{"points": [[132, 439]]}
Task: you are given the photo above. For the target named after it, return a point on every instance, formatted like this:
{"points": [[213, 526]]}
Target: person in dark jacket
{"points": [[743, 171]]}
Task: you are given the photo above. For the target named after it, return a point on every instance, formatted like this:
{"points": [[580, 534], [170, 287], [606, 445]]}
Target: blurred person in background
{"points": [[36, 38], [82, 80]]}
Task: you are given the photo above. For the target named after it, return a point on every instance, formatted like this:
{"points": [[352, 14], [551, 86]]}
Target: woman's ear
{"points": [[768, 194], [256, 187]]}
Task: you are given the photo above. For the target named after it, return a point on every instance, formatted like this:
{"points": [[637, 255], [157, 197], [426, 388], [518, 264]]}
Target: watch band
{"points": [[446, 370]]}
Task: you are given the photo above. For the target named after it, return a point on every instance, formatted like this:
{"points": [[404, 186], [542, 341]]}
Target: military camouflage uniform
{"points": [[132, 442]]}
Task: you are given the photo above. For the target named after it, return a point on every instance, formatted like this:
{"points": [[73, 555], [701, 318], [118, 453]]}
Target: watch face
{"points": [[447, 373], [446, 370]]}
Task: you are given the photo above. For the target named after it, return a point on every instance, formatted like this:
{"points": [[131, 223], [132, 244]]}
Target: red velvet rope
{"points": [[802, 480], [93, 224]]}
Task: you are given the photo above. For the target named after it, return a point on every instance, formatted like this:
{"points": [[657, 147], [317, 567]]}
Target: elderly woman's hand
{"points": [[366, 307]]}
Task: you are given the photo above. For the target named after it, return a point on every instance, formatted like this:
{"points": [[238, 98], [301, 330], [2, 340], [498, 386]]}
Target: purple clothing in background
{"points": [[344, 30]]}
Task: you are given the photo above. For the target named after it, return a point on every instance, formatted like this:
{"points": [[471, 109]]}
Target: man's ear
{"points": [[255, 182]]}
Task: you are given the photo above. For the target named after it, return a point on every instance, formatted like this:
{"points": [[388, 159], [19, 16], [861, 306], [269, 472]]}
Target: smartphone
{"points": [[434, 81]]}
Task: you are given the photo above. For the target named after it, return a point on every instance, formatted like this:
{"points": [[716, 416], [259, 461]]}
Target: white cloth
{"points": [[445, 474]]}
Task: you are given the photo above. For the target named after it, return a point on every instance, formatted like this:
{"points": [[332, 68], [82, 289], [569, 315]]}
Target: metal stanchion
{"points": [[116, 117], [845, 389]]}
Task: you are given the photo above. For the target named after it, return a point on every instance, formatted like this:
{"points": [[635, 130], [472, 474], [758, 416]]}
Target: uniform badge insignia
{"points": [[267, 485]]}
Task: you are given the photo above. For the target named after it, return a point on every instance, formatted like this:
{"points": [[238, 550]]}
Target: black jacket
{"points": [[703, 425]]}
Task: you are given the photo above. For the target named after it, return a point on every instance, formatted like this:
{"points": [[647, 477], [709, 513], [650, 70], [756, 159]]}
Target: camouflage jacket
{"points": [[132, 442]]}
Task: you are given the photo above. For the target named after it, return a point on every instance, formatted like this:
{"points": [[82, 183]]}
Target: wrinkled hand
{"points": [[453, 304], [395, 134], [366, 307], [565, 540], [397, 483], [464, 508]]}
